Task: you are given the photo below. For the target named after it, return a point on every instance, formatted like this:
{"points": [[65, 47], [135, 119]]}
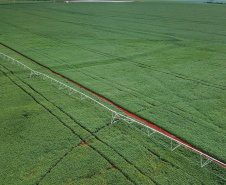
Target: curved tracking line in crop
{"points": [[83, 141], [139, 119]]}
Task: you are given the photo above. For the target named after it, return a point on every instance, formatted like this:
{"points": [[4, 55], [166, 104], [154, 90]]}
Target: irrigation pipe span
{"points": [[115, 115]]}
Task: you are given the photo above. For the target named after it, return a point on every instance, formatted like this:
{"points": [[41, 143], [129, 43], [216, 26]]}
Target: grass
{"points": [[165, 66], [161, 62]]}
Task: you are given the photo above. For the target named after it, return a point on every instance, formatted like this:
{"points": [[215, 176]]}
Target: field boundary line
{"points": [[116, 116]]}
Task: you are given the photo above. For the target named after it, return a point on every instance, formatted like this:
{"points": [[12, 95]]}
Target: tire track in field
{"points": [[123, 59], [123, 32], [118, 58], [34, 51], [92, 133], [179, 112], [53, 166], [127, 18], [134, 92], [114, 30], [127, 177], [83, 140], [144, 66], [120, 108], [140, 65]]}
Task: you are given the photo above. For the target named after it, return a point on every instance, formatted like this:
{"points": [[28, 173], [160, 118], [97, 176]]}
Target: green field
{"points": [[49, 137], [164, 61]]}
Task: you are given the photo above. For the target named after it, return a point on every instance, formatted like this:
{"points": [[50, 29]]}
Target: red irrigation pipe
{"points": [[149, 124]]}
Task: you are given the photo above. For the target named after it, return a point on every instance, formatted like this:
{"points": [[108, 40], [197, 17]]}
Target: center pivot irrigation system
{"points": [[115, 115]]}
